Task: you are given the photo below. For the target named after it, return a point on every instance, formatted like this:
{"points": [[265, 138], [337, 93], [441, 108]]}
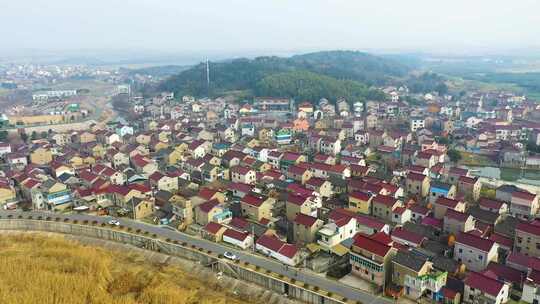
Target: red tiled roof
{"points": [[416, 176], [386, 200], [271, 242], [528, 228], [208, 206], [288, 250], [456, 215], [296, 170], [315, 182], [245, 188], [524, 195], [240, 170], [371, 245], [474, 241], [433, 222], [360, 195], [490, 203], [484, 283], [305, 220], [212, 227], [237, 235], [417, 208], [448, 202], [296, 199], [156, 176], [252, 200], [501, 240], [468, 180], [239, 223], [506, 273], [408, 236], [382, 238], [207, 193]]}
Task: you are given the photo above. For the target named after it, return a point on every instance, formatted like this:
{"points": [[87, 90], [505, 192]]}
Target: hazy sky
{"points": [[270, 25]]}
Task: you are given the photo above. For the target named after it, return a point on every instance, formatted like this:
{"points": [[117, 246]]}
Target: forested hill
{"points": [[329, 74]]}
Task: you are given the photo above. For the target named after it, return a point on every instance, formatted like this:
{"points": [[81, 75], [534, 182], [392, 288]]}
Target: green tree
{"points": [[3, 135], [34, 135], [454, 155]]}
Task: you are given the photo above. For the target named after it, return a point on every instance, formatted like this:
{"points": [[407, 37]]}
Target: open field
{"points": [[39, 269]]}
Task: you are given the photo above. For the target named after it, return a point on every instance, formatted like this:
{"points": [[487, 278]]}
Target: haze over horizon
{"points": [[241, 26]]}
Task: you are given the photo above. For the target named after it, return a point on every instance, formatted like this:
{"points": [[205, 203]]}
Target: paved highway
{"points": [[265, 263]]}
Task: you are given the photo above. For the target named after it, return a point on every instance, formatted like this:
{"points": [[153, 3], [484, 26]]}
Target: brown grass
{"points": [[38, 269]]}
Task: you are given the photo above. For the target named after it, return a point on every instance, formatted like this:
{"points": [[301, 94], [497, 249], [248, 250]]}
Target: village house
{"points": [[469, 186], [360, 202], [441, 190], [417, 184], [474, 251], [256, 207], [523, 204], [455, 222], [417, 276], [270, 245], [527, 238], [483, 288], [371, 260], [305, 229], [244, 175], [442, 204], [239, 239], [383, 205]]}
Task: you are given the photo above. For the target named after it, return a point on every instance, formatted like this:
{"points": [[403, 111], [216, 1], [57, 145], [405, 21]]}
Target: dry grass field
{"points": [[52, 270]]}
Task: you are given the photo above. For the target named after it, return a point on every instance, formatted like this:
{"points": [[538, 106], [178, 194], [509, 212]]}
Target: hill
{"points": [[39, 269], [253, 74]]}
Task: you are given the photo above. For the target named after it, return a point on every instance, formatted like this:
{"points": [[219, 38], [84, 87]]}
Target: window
{"points": [[460, 250], [480, 257]]}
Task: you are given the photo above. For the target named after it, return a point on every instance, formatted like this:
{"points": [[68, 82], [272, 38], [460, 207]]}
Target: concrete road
{"points": [[265, 263]]}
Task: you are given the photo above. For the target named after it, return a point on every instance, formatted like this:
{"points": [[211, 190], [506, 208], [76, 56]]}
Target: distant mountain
{"points": [[337, 71], [159, 71]]}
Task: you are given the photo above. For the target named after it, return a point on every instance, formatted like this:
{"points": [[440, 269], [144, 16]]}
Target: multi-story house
{"points": [[470, 186], [455, 222], [482, 288], [382, 206], [415, 273], [257, 207], [417, 184], [336, 231], [438, 190], [527, 238], [371, 260], [474, 251], [360, 201], [51, 195], [305, 228], [523, 204], [245, 175], [442, 204]]}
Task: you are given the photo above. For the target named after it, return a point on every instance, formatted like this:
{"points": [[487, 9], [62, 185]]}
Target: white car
{"points": [[114, 222], [230, 256]]}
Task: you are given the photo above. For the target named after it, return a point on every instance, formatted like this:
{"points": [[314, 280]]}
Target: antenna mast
{"points": [[208, 76]]}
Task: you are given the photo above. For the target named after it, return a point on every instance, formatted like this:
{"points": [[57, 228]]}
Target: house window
{"points": [[460, 250], [480, 257]]}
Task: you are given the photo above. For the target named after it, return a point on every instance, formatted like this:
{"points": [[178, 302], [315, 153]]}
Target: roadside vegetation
{"points": [[39, 269]]}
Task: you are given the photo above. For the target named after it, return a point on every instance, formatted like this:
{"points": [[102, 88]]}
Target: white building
{"points": [[417, 123]]}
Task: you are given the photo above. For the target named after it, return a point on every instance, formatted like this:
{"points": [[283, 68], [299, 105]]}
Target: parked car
{"points": [[114, 222], [230, 256]]}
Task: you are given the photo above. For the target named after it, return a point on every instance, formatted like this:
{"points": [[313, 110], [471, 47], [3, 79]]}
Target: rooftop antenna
{"points": [[208, 76]]}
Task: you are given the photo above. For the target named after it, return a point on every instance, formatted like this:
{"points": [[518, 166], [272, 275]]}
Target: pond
{"points": [[531, 177]]}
